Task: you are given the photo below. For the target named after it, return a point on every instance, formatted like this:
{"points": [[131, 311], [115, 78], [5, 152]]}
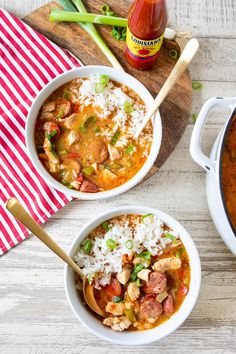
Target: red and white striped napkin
{"points": [[28, 61]]}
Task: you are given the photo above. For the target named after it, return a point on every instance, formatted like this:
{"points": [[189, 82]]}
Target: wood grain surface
{"points": [[175, 111], [35, 317]]}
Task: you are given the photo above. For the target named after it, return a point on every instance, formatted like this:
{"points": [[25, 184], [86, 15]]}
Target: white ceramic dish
{"points": [[213, 166], [135, 337], [114, 74]]}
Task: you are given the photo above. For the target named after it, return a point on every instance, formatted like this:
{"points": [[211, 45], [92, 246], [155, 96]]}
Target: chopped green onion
{"points": [[63, 152], [66, 94], [138, 283], [128, 107], [105, 225], [114, 166], [172, 237], [138, 267], [99, 88], [104, 79], [97, 129], [129, 149], [133, 276], [88, 171], [52, 134], [145, 216], [116, 299], [87, 246], [196, 85], [179, 252], [60, 114], [115, 138], [105, 9], [111, 244], [90, 277], [173, 54], [89, 121], [129, 244], [71, 187], [145, 254], [119, 33], [130, 315], [194, 117]]}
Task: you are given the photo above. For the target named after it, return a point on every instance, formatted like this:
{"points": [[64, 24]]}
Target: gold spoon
{"points": [[178, 70], [17, 210]]}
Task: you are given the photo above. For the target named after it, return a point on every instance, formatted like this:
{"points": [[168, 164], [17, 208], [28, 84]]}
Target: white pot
{"points": [[135, 337], [212, 165], [116, 75]]}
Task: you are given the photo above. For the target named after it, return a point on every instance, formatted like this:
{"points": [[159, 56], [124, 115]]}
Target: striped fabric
{"points": [[27, 62]]}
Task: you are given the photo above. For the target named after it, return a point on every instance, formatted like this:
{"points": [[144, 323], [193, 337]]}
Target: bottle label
{"points": [[142, 49]]}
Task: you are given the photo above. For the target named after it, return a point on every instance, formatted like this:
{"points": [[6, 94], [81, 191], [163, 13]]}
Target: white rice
{"points": [[110, 103], [147, 235]]}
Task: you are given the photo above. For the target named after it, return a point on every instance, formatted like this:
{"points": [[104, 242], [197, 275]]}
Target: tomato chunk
{"points": [[113, 289]]}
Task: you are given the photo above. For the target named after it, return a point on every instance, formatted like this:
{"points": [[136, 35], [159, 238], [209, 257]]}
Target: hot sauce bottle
{"points": [[147, 21]]}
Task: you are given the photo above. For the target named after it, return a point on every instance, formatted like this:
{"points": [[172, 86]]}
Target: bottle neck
{"points": [[148, 18]]}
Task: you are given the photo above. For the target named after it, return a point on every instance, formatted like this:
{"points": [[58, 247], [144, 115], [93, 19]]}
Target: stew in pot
{"points": [[229, 172]]}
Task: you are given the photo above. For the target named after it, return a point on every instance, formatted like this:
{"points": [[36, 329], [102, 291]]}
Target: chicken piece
{"points": [[73, 137], [114, 153], [137, 260], [167, 263], [144, 274], [116, 309], [63, 108], [69, 121], [49, 107], [124, 276], [133, 291], [51, 127], [108, 175], [53, 159], [72, 169], [46, 116], [118, 324], [97, 152], [76, 183]]}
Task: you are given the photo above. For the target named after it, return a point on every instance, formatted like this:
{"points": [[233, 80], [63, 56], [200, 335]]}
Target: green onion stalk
{"points": [[91, 30], [58, 15]]}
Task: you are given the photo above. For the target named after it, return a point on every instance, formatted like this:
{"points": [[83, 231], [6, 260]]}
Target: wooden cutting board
{"points": [[175, 111]]}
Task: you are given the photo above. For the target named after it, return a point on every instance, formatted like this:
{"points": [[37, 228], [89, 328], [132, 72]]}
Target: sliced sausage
{"points": [[97, 152], [168, 305], [150, 307], [156, 283], [50, 127], [88, 187]]}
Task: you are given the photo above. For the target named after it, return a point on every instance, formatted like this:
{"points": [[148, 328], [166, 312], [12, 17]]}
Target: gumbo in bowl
{"points": [[139, 269], [84, 130]]}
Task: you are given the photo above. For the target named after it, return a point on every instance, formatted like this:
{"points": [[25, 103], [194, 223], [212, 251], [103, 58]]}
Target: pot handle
{"points": [[195, 144]]}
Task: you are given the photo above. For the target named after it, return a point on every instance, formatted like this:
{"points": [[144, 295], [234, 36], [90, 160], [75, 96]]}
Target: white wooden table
{"points": [[34, 314]]}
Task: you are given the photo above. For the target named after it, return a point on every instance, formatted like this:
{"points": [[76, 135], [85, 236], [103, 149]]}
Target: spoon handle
{"points": [[179, 68], [17, 210]]}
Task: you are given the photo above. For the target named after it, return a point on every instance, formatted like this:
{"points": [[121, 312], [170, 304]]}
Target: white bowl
{"points": [[135, 337], [116, 75]]}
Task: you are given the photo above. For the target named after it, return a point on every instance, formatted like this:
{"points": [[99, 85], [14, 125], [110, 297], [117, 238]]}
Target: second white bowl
{"points": [[135, 337]]}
